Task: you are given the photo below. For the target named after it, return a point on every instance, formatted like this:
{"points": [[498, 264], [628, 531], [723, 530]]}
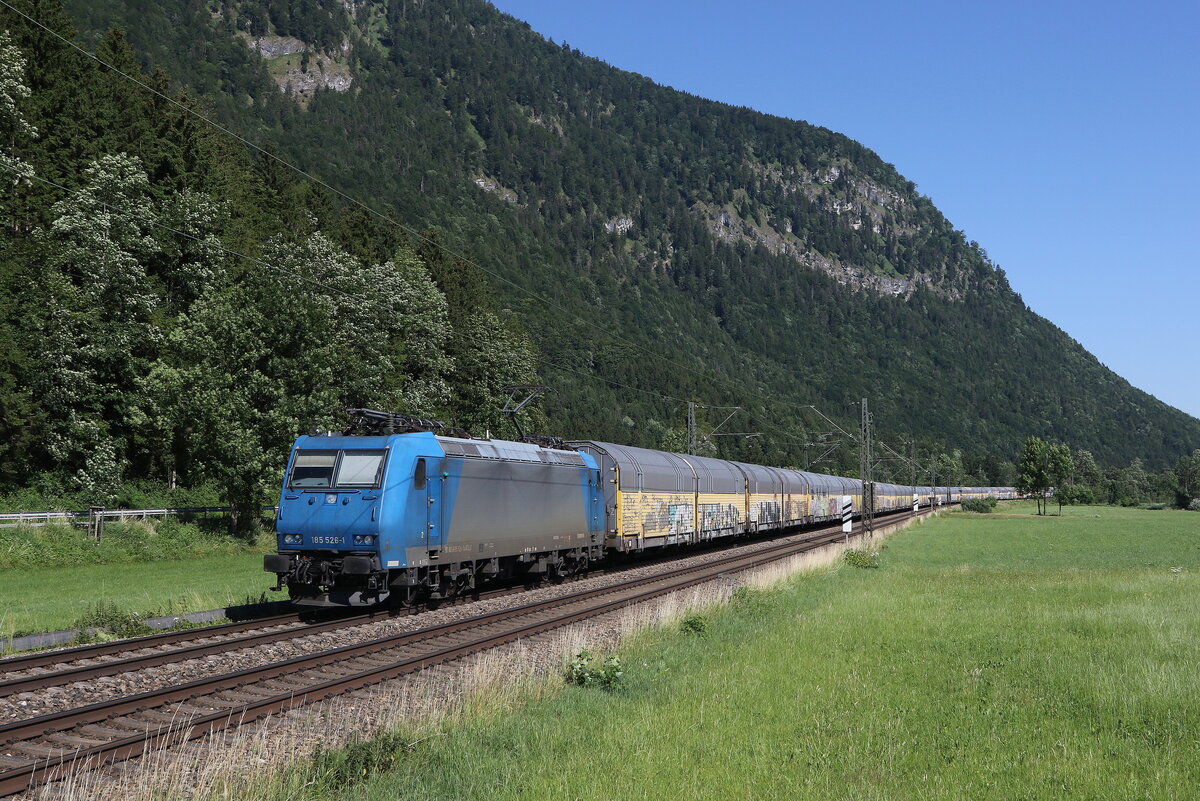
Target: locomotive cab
{"points": [[342, 520]]}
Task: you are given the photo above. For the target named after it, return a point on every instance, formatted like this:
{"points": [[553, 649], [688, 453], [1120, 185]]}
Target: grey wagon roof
{"points": [[504, 449], [643, 469], [716, 475], [763, 480]]}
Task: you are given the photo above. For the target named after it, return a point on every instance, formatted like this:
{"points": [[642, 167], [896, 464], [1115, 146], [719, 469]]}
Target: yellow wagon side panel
{"points": [[720, 513], [766, 510], [656, 514]]}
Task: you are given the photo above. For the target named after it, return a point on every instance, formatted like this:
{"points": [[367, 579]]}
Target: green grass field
{"points": [[998, 656], [52, 576], [48, 599]]}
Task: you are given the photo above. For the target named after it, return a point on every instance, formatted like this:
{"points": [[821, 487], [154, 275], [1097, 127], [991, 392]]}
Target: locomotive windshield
{"points": [[360, 469], [325, 469], [313, 469]]}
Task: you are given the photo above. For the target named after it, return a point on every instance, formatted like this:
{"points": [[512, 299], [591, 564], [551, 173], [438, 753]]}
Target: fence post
{"points": [[96, 522]]}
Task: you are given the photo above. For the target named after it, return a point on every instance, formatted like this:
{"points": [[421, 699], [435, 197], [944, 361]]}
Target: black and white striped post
{"points": [[847, 514], [916, 502]]}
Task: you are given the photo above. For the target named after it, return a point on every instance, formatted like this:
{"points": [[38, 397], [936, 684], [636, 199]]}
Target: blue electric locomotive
{"points": [[402, 513]]}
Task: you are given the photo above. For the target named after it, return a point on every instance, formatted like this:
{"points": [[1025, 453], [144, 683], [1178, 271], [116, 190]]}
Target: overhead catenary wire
{"points": [[209, 242], [389, 220], [608, 332], [347, 197], [293, 274]]}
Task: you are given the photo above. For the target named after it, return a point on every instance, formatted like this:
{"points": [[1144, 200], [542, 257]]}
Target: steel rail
{"points": [[189, 720], [56, 721], [140, 661], [86, 652], [92, 651]]}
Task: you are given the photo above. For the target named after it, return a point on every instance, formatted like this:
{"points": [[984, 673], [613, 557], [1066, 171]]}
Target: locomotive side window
{"points": [[360, 469], [419, 477], [312, 469]]}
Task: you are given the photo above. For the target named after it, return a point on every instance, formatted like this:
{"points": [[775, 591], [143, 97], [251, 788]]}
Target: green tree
{"points": [[16, 403], [674, 440], [489, 349], [1059, 468], [1138, 480], [189, 266], [1033, 470], [489, 354], [14, 128], [1071, 494], [288, 347], [96, 321], [949, 468], [1187, 479], [445, 96], [1087, 472]]}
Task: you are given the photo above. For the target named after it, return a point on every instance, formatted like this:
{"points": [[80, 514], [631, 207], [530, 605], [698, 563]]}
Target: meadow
{"points": [[988, 656], [56, 577]]}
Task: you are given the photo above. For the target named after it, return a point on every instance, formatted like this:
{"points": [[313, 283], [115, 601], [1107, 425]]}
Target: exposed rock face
{"points": [[870, 202], [323, 72], [550, 123], [728, 226], [860, 201], [272, 46], [293, 75], [494, 187], [618, 225]]}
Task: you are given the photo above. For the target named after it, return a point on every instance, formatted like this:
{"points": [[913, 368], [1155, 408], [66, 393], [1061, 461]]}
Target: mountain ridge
{"points": [[735, 243]]}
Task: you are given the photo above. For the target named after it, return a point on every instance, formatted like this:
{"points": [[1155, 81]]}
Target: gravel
{"points": [[332, 723], [54, 699]]}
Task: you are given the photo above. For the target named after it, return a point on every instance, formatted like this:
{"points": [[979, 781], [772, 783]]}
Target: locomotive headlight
{"points": [[364, 539], [293, 539]]}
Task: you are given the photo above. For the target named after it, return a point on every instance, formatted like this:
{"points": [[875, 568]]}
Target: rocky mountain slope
{"points": [[657, 246]]}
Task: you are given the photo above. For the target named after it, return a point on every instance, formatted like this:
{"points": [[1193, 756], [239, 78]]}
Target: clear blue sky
{"points": [[1064, 137]]}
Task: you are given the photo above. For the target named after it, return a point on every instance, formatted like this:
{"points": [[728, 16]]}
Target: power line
{"points": [[207, 242], [330, 288], [391, 221], [411, 232], [291, 273]]}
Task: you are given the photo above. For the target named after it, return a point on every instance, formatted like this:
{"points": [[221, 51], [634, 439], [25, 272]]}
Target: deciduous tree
{"points": [[1187, 479], [1059, 468], [96, 321], [1032, 470], [288, 347]]}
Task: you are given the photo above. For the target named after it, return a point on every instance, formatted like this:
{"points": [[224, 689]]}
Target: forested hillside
{"points": [[191, 303], [178, 311]]}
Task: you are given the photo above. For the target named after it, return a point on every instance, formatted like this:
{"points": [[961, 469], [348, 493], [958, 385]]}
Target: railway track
{"points": [[57, 668], [144, 651], [40, 670], [44, 748]]}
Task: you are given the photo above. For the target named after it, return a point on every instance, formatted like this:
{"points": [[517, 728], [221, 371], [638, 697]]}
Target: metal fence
{"points": [[96, 517]]}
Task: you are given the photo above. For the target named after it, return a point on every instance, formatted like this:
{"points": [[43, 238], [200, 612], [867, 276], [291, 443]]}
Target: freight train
{"points": [[400, 510]]}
